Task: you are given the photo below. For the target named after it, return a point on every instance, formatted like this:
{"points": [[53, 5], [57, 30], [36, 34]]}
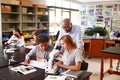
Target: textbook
{"points": [[24, 69], [72, 73]]}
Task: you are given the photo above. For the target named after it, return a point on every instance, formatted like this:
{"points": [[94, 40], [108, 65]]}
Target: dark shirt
{"points": [[117, 34]]}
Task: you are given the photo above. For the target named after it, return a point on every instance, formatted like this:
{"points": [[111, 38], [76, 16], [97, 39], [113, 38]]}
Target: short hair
{"points": [[41, 38], [69, 40]]}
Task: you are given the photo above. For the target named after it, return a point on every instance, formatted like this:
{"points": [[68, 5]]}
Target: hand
{"points": [[58, 64], [27, 61]]}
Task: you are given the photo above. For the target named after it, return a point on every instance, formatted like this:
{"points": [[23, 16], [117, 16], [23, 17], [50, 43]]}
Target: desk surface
{"points": [[111, 50], [7, 74], [19, 56]]}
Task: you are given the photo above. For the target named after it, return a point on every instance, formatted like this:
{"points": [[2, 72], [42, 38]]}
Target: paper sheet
{"points": [[38, 64]]}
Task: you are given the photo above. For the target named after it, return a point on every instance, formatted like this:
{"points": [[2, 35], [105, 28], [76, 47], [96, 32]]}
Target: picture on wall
{"points": [[99, 11], [108, 22], [108, 10], [84, 21], [83, 10], [90, 11]]}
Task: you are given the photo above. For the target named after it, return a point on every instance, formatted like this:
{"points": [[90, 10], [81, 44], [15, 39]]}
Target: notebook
{"points": [[72, 73]]}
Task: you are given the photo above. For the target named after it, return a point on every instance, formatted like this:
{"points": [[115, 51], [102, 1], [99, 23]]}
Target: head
{"points": [[67, 42], [16, 32], [35, 33], [42, 41], [67, 25]]}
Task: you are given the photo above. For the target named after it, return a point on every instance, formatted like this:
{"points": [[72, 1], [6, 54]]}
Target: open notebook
{"points": [[72, 73]]}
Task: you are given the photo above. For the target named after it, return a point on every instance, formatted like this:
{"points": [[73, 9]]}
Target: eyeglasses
{"points": [[66, 27]]}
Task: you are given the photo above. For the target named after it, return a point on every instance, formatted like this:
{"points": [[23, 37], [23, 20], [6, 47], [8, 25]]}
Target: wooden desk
{"points": [[112, 53], [87, 46]]}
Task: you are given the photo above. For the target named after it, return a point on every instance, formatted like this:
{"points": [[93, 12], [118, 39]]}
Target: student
{"points": [[72, 56], [116, 34], [34, 34], [17, 38], [41, 50], [73, 30]]}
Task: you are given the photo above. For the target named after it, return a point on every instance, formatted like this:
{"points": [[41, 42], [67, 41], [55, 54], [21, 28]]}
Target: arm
{"points": [[72, 67], [27, 57], [9, 41], [79, 38]]}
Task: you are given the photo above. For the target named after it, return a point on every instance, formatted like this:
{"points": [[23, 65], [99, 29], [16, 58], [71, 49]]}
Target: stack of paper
{"points": [[74, 74], [24, 69], [38, 64]]}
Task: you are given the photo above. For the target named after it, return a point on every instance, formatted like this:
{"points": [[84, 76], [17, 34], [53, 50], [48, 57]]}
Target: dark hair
{"points": [[42, 39], [17, 30]]}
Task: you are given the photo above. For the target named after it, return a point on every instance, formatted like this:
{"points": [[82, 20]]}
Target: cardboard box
{"points": [[16, 2], [6, 8], [26, 3], [40, 5]]}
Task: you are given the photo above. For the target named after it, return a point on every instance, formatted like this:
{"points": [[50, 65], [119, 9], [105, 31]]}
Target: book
{"points": [[72, 73], [24, 69], [55, 77]]}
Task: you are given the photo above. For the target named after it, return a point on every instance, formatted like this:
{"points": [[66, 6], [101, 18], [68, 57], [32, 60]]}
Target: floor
{"points": [[95, 65]]}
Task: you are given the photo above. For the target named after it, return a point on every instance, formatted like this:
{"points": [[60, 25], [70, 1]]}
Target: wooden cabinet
{"points": [[93, 47], [87, 46], [96, 46]]}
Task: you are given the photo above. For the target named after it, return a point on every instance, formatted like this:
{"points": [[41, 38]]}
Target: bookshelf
{"points": [[26, 18]]}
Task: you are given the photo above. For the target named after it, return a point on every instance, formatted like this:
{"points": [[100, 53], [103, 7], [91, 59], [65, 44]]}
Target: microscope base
{"points": [[51, 71]]}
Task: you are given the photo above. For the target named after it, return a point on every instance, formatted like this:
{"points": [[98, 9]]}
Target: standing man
{"points": [[73, 30]]}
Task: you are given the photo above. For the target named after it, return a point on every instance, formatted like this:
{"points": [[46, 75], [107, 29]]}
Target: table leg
{"points": [[102, 68], [111, 63]]}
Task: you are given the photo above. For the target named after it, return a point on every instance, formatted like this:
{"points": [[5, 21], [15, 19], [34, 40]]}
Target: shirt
{"points": [[19, 41], [39, 53], [75, 33], [70, 58]]}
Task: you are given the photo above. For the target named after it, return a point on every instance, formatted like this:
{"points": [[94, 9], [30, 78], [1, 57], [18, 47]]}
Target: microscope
{"points": [[51, 68]]}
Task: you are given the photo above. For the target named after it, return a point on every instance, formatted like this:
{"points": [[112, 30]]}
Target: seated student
{"points": [[72, 56], [116, 34], [16, 37], [41, 50], [34, 34]]}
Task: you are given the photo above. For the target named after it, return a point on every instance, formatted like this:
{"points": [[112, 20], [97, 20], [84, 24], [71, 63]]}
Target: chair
{"points": [[84, 65]]}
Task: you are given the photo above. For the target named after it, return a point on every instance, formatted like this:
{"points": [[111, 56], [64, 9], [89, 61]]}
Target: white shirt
{"points": [[20, 41], [75, 33]]}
